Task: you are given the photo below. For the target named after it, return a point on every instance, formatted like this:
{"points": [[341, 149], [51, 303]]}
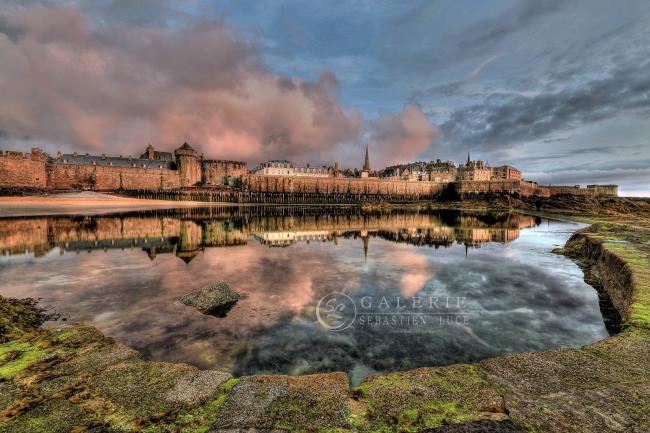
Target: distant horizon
{"points": [[558, 89]]}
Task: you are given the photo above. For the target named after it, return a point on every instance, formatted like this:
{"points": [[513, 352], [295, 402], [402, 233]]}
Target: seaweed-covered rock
{"points": [[481, 426], [295, 403], [215, 299], [18, 316]]}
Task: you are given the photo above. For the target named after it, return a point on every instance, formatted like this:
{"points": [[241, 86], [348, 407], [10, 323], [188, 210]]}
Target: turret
{"points": [[188, 165]]}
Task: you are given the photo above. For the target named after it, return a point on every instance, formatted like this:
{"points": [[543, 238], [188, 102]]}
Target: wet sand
{"points": [[84, 203]]}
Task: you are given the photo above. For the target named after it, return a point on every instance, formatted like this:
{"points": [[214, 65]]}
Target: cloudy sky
{"points": [[558, 88]]}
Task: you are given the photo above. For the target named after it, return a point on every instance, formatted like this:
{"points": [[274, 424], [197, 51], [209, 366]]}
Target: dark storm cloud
{"points": [[11, 31], [502, 121]]}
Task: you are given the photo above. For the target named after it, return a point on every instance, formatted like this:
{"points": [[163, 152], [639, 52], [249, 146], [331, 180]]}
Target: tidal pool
{"points": [[328, 289]]}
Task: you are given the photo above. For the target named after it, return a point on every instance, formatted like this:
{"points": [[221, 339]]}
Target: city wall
{"points": [[214, 180], [520, 187], [392, 187], [340, 185], [22, 170], [103, 178], [589, 191], [217, 172]]}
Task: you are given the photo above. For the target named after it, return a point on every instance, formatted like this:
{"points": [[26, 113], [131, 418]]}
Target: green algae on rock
{"points": [[430, 397], [18, 316]]}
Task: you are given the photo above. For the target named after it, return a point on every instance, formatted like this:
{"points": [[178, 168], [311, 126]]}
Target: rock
{"points": [[430, 397], [195, 388], [215, 299], [482, 426], [140, 390], [295, 403]]}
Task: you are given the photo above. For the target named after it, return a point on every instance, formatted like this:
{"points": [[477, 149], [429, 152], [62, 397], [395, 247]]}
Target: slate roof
{"points": [[112, 161], [185, 146]]}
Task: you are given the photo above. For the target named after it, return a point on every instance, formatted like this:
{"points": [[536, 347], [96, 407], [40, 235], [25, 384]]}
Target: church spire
{"points": [[366, 162], [365, 248]]}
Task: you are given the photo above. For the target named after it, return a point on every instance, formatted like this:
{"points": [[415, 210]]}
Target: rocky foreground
{"points": [[74, 379]]}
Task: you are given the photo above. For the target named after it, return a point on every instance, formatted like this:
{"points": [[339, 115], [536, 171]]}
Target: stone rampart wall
{"points": [[511, 186], [102, 178], [332, 185], [21, 170], [573, 190], [214, 172]]}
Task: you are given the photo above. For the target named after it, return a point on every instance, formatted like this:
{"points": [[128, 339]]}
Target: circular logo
{"points": [[336, 311]]}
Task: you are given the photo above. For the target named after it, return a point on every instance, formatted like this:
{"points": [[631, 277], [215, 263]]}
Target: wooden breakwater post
{"points": [[206, 194]]}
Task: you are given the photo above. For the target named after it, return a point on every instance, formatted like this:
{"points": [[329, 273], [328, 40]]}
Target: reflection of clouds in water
{"points": [[415, 269], [137, 303], [521, 305]]}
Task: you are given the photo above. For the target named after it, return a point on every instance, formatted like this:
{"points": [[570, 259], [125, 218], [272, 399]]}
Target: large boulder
{"points": [[215, 299]]}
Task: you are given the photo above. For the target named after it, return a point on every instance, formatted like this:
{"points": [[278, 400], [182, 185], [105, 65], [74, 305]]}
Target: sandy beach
{"points": [[84, 203]]}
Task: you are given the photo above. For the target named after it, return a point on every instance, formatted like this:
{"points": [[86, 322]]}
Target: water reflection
{"points": [[286, 260], [187, 232]]}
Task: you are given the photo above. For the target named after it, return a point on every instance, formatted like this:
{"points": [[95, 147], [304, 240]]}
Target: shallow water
{"points": [[328, 290]]}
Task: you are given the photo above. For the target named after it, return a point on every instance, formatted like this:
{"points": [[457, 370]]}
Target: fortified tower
{"points": [[188, 165]]}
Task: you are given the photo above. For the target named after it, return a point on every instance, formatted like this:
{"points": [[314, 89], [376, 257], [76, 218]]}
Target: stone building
{"points": [[288, 168], [435, 171], [474, 170], [412, 171], [151, 154], [506, 172], [153, 170], [442, 171], [159, 171]]}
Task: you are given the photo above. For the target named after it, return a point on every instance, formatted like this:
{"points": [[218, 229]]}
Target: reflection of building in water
{"points": [[187, 233], [189, 241], [467, 229], [24, 236], [283, 239], [153, 234], [473, 236], [442, 236]]}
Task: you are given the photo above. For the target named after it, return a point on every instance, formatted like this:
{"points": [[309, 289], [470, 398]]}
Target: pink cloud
{"points": [[402, 137], [114, 90]]}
